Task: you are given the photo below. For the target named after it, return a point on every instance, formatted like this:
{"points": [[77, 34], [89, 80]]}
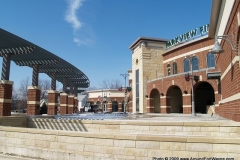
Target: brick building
{"points": [[184, 73], [110, 100]]}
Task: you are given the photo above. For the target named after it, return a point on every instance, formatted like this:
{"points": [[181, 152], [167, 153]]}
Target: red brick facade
{"points": [[33, 104], [223, 92], [63, 103], [230, 82], [70, 104], [5, 97], [52, 102]]}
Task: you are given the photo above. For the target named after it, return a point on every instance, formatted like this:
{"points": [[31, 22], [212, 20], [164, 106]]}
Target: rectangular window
{"points": [[137, 89]]}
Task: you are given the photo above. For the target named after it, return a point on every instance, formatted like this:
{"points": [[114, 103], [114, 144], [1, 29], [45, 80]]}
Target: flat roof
{"points": [[147, 39]]}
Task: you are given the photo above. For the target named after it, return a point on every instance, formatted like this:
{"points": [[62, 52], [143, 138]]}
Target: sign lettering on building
{"points": [[203, 30]]}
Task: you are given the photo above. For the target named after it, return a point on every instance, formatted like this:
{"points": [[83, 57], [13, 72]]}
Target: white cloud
{"points": [[82, 42], [76, 40], [71, 16], [79, 36]]}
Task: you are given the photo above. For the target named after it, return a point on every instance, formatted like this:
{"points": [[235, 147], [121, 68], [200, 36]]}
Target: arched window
{"points": [[210, 60], [174, 68], [186, 65], [194, 63], [168, 69]]}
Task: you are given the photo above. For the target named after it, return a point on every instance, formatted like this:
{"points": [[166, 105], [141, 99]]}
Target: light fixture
{"points": [[217, 48]]}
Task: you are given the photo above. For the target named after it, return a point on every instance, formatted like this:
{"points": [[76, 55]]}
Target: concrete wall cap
{"points": [[34, 87], [53, 91], [63, 94], [6, 82]]}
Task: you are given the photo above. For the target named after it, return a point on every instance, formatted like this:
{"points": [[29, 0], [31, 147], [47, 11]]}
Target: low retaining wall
{"points": [[14, 121], [69, 145], [215, 129]]}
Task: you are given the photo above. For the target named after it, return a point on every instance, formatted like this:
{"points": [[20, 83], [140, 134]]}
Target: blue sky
{"points": [[95, 35]]}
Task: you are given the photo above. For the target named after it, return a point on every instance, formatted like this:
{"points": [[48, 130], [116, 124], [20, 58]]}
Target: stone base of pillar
{"points": [[166, 109], [150, 109], [33, 109], [52, 109], [187, 110], [33, 103], [5, 109], [63, 110], [109, 107], [5, 97], [120, 108], [70, 109]]}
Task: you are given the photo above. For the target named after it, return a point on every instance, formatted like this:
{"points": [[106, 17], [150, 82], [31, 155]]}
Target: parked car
{"points": [[95, 109]]}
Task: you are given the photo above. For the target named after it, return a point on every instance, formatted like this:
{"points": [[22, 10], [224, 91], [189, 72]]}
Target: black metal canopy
{"points": [[25, 53]]}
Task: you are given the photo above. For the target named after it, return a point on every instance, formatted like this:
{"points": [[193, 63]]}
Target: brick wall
{"points": [[33, 103], [5, 97]]}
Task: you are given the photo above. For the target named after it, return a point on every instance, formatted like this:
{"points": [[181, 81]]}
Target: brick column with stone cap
{"points": [[165, 104], [63, 103], [150, 105], [33, 103], [52, 102], [120, 107], [109, 107], [187, 104], [5, 97], [70, 104]]}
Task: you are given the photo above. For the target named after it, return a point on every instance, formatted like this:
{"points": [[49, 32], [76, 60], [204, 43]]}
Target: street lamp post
{"points": [[193, 103], [125, 92]]}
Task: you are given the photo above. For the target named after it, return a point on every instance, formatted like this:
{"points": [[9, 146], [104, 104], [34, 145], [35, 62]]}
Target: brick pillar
{"points": [[5, 97], [150, 105], [33, 103], [52, 102], [120, 107], [165, 104], [109, 107], [70, 104], [76, 103], [187, 106], [63, 103]]}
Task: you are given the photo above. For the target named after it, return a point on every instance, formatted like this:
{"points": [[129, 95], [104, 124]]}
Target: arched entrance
{"points": [[204, 97], [176, 102], [156, 100], [114, 106]]}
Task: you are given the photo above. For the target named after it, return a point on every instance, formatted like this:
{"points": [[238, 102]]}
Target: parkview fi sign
{"points": [[203, 30]]}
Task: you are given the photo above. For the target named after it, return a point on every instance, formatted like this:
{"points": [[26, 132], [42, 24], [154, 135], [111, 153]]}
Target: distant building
{"points": [[110, 100]]}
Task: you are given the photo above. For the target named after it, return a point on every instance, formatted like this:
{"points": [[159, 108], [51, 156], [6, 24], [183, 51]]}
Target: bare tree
{"points": [[23, 88], [22, 93], [113, 84], [15, 98], [44, 85]]}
